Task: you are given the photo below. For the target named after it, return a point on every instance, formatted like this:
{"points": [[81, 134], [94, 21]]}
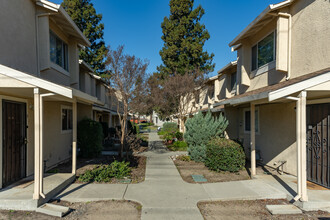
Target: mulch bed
{"points": [[249, 209], [137, 163], [102, 210], [188, 168]]}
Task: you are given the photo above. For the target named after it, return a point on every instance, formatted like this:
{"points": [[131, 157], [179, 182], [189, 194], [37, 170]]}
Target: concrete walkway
{"points": [[164, 195]]}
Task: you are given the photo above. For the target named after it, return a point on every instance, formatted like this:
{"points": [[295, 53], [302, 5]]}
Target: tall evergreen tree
{"points": [[184, 37], [84, 15]]}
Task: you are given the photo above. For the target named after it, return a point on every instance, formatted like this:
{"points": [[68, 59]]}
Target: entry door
{"points": [[318, 144], [14, 141]]}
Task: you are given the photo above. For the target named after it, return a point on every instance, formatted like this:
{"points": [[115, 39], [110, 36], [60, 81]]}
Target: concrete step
{"points": [[313, 205], [283, 209], [56, 190], [53, 210]]}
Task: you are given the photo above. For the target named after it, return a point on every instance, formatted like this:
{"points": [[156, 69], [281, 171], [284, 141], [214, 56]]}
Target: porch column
{"points": [[37, 134], [303, 167], [74, 136], [253, 140]]}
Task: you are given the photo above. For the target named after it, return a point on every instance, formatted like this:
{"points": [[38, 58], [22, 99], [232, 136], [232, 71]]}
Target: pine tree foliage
{"points": [[83, 13], [184, 37], [200, 130]]}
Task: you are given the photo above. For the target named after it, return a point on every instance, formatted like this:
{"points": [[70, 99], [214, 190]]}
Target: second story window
{"points": [[263, 52], [58, 51], [233, 82]]}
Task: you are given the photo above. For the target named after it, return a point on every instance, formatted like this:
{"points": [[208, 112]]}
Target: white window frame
{"points": [[257, 116], [268, 66], [54, 65], [65, 107]]}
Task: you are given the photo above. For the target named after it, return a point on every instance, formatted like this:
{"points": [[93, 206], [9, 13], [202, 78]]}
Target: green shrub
{"points": [[200, 130], [179, 135], [170, 127], [105, 173], [178, 146], [224, 155], [90, 137]]}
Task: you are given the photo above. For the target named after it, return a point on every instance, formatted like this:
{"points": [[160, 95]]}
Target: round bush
{"points": [[224, 155]]}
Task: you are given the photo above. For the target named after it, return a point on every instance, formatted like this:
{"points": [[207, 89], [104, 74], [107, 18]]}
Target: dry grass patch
{"points": [[188, 168], [251, 210], [103, 210]]}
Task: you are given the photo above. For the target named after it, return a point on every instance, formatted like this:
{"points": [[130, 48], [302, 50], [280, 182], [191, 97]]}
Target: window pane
{"points": [[247, 121], [247, 118], [65, 56], [52, 47], [266, 50], [254, 57], [233, 81], [69, 119], [64, 119], [59, 52]]}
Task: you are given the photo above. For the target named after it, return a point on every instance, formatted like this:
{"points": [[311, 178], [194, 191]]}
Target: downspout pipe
{"points": [[299, 177], [42, 144]]}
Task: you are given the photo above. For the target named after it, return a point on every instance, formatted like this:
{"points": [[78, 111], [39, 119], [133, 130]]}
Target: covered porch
{"points": [[282, 111], [38, 130]]}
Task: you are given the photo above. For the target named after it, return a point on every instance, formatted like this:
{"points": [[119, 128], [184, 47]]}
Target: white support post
{"points": [[298, 133], [253, 140], [74, 136], [41, 156], [303, 159], [36, 194]]}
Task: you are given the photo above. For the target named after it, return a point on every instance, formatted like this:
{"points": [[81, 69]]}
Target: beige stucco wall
{"points": [[310, 36], [84, 111], [18, 39], [276, 136], [57, 144]]}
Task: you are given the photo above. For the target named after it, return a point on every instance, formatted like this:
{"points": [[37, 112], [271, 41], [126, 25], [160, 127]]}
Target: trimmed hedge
{"points": [[224, 155], [90, 137]]}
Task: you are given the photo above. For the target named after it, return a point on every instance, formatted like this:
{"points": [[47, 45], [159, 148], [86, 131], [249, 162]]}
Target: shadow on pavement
{"points": [[157, 147]]}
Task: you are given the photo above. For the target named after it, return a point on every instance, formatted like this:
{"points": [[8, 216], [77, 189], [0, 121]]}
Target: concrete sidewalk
{"points": [[164, 195]]}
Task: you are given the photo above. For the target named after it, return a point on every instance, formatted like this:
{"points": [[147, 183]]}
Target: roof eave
{"points": [[84, 41], [269, 8]]}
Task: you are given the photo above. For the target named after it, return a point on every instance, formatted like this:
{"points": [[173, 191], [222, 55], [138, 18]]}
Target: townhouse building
{"points": [[276, 94], [45, 90]]}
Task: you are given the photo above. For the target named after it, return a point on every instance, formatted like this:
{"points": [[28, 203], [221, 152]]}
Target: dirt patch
{"points": [[188, 168], [251, 210], [102, 210], [137, 163]]}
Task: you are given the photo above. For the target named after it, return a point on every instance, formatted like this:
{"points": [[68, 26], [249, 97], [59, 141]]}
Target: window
{"points": [[233, 82], [58, 51], [66, 119], [247, 120], [264, 51]]}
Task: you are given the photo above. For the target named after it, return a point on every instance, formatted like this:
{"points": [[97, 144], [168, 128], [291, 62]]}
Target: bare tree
{"points": [[177, 94], [126, 71]]}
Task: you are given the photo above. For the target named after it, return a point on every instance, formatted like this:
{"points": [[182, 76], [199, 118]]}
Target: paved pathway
{"points": [[164, 195]]}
